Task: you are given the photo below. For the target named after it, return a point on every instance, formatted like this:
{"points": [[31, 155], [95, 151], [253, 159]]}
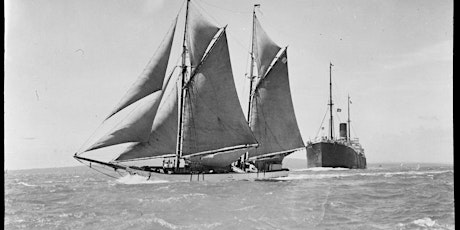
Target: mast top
{"points": [[331, 124]]}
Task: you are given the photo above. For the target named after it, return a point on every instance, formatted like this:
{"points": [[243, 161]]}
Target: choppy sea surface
{"points": [[387, 196]]}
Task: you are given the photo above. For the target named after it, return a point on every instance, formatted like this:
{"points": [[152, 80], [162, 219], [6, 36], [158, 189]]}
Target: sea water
{"points": [[387, 196]]}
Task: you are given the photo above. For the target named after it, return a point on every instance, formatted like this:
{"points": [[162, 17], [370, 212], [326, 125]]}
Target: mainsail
{"points": [[213, 115], [212, 120], [272, 118]]}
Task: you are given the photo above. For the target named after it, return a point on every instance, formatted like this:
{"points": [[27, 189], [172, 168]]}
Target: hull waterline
{"points": [[334, 154]]}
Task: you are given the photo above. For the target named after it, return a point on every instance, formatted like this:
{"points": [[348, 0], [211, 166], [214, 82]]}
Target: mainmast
{"points": [[331, 124], [182, 93], [349, 127], [251, 69]]}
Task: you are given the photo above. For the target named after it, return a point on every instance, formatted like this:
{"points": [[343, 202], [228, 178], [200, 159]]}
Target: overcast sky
{"points": [[68, 63]]}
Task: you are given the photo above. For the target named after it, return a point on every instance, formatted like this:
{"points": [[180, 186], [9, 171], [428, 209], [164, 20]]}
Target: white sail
{"points": [[272, 118], [201, 32], [213, 116], [152, 77], [265, 49], [137, 127], [213, 121], [162, 139]]}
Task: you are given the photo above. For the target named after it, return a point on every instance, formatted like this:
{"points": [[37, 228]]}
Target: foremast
{"points": [[251, 68], [182, 92], [269, 99]]}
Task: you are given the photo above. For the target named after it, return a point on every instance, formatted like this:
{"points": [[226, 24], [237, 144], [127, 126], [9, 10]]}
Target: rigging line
{"points": [[204, 11], [79, 151], [215, 20], [233, 11], [117, 125], [274, 62], [337, 94], [154, 54], [322, 121], [279, 31], [267, 127], [168, 95], [162, 104], [193, 128], [181, 7], [338, 117], [354, 132], [198, 98], [210, 49], [91, 167]]}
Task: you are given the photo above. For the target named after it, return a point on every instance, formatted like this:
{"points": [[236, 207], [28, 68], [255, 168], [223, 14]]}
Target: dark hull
{"points": [[332, 154]]}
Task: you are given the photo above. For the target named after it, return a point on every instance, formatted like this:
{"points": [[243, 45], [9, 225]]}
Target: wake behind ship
{"points": [[343, 152]]}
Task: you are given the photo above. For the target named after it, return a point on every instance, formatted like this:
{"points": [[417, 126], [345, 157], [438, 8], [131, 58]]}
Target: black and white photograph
{"points": [[228, 114]]}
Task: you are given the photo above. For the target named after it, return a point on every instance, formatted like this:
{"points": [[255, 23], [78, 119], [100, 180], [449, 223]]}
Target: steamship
{"points": [[343, 152]]}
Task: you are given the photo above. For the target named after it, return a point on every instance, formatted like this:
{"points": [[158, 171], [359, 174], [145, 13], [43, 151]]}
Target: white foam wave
{"points": [[311, 176], [165, 223], [350, 173], [320, 169], [28, 185], [182, 197], [390, 174], [425, 222], [136, 179]]}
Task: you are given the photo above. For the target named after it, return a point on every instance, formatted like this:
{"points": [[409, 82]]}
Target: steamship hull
{"points": [[334, 154]]}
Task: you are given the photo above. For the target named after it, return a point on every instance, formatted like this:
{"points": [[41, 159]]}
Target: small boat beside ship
{"points": [[195, 124], [329, 151]]}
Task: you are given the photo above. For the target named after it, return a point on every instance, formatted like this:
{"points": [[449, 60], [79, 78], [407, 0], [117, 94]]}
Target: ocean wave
{"points": [[136, 179], [310, 176], [27, 185], [320, 169], [405, 173], [164, 223], [425, 222], [182, 197], [349, 173]]}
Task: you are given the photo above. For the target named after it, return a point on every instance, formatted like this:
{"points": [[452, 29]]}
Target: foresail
{"points": [[265, 49], [213, 118], [152, 77], [272, 118], [135, 128], [201, 33], [162, 139]]}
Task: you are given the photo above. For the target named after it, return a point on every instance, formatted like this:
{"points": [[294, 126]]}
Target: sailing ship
{"points": [[198, 128], [343, 152]]}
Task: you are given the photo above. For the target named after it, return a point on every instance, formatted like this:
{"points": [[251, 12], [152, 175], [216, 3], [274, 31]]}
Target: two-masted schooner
{"points": [[198, 128]]}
